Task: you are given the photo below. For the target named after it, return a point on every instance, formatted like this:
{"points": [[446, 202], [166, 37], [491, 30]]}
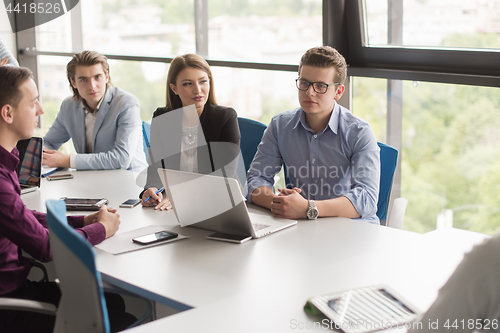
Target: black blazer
{"points": [[220, 132]]}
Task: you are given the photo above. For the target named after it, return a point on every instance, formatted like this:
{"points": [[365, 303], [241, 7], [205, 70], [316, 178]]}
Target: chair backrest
{"points": [[82, 307], [388, 162], [251, 134], [146, 135]]}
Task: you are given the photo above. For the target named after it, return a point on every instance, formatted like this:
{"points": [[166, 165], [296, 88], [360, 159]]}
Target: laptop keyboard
{"points": [[258, 226]]}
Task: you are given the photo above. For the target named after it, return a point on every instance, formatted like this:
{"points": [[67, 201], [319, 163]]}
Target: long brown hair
{"points": [[176, 66]]}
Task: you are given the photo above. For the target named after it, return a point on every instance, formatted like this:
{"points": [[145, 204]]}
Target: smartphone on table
{"points": [[130, 203], [229, 237], [156, 237], [60, 177]]}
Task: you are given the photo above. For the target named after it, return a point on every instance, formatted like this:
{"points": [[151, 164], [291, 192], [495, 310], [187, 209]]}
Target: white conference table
{"points": [[261, 284]]}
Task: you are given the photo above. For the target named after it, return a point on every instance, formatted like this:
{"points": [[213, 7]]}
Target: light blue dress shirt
{"points": [[5, 53], [341, 160], [117, 133]]}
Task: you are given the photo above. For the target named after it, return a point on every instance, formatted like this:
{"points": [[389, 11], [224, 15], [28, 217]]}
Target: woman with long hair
{"points": [[199, 135]]}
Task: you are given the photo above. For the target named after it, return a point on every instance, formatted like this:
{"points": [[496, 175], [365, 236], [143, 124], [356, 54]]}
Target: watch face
{"points": [[312, 213]]}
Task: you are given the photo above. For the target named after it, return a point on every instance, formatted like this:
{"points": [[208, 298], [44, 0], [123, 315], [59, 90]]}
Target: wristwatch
{"points": [[312, 212]]}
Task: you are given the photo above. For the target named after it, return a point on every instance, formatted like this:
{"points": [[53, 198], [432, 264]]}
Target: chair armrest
{"points": [[40, 266], [27, 305]]}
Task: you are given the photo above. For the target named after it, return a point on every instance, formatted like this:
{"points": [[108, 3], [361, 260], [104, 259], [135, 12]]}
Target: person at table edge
{"points": [[22, 229], [204, 137], [103, 121], [332, 156]]}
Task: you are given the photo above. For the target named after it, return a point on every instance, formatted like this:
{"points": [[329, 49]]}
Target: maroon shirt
{"points": [[24, 229]]}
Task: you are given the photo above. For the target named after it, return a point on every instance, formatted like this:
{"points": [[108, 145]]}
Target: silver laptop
{"points": [[29, 169], [215, 203]]}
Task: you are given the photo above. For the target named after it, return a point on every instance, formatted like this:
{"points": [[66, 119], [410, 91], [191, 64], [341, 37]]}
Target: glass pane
{"points": [[158, 28], [55, 35], [451, 156], [255, 94], [144, 80], [53, 87], [437, 24], [369, 102], [145, 28], [451, 151], [275, 31]]}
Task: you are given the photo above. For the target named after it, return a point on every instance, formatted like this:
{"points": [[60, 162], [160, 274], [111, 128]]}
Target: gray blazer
{"points": [[117, 138]]}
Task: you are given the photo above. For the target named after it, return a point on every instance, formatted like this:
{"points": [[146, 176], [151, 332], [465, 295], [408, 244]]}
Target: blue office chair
{"points": [[388, 163], [251, 134], [82, 307], [146, 136]]}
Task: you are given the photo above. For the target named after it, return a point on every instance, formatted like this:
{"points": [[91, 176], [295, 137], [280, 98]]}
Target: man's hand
{"points": [[93, 218], [289, 204], [156, 199], [110, 220], [55, 159], [4, 61]]}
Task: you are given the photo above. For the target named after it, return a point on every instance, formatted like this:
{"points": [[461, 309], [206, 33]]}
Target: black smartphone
{"points": [[159, 236], [130, 203], [229, 237]]}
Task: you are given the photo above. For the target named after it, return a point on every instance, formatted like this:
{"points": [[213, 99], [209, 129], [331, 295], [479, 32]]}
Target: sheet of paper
{"points": [[122, 243]]}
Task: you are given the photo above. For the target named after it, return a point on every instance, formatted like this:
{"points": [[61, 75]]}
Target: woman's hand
{"points": [[156, 199]]}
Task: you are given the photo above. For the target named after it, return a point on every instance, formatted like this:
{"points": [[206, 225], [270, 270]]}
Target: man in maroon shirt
{"points": [[21, 228]]}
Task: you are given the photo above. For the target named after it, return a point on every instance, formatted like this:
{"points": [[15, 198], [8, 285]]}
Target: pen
{"points": [[155, 193], [51, 172]]}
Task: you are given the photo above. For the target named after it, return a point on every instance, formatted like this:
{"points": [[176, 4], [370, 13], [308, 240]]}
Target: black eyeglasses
{"points": [[318, 87]]}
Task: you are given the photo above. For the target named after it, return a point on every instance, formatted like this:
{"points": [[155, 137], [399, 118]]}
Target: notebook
{"points": [[365, 309], [29, 169], [217, 204]]}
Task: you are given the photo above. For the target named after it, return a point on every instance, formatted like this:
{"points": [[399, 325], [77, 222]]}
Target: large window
{"points": [[263, 31], [450, 155], [150, 28], [271, 31], [145, 28], [266, 31]]}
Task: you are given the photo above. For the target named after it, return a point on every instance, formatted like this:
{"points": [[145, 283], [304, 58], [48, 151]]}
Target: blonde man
{"points": [[103, 121]]}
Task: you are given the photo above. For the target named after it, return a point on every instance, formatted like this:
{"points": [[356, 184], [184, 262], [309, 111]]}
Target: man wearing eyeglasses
{"points": [[332, 156]]}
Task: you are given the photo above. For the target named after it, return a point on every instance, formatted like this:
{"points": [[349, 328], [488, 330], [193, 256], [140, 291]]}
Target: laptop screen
{"points": [[29, 169]]}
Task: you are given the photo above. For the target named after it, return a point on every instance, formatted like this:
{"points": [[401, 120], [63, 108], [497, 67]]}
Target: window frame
{"points": [[451, 65]]}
